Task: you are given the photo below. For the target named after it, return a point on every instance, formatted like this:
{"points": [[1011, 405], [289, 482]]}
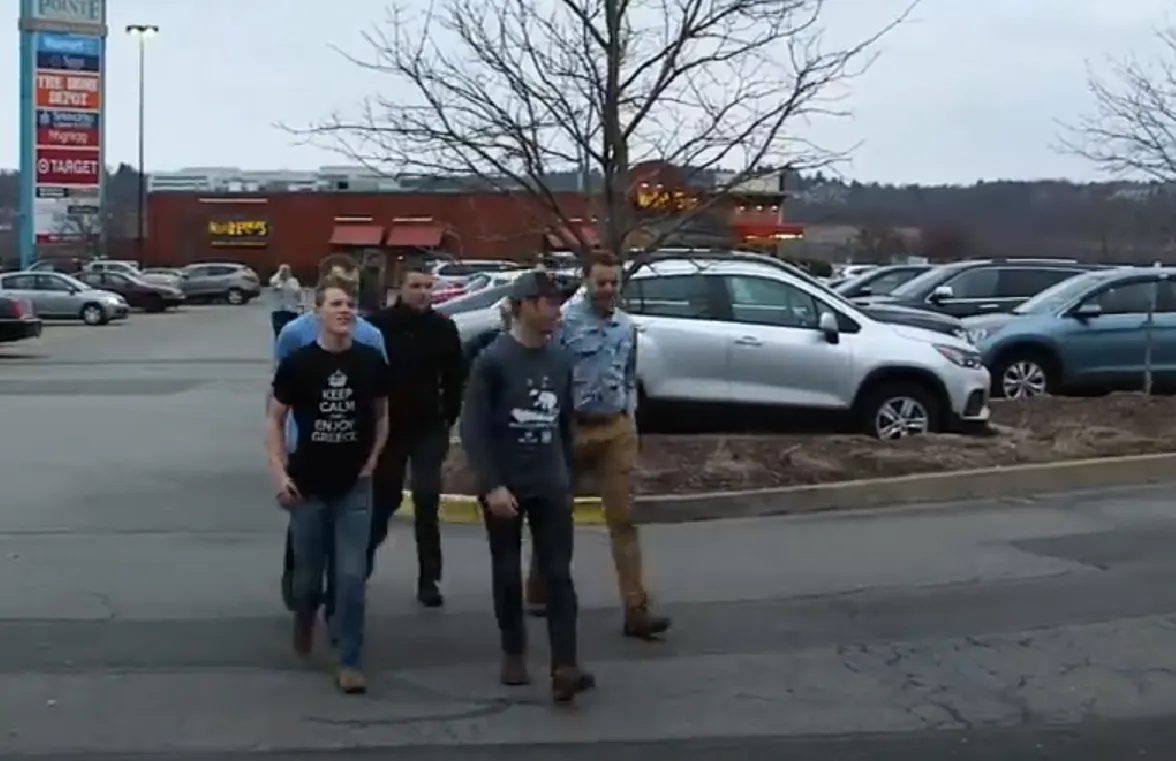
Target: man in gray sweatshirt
{"points": [[516, 432]]}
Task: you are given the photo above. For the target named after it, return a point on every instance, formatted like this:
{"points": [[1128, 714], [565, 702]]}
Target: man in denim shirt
{"points": [[602, 346]]}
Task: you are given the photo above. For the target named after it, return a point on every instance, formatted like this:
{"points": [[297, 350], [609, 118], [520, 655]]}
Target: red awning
{"points": [[565, 238], [357, 235], [415, 236], [760, 230]]}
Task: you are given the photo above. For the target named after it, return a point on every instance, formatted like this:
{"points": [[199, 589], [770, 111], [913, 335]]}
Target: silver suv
{"points": [[216, 281], [738, 331]]}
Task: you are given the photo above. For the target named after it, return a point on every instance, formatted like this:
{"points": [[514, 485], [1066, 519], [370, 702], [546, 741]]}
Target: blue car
{"points": [[1090, 333]]}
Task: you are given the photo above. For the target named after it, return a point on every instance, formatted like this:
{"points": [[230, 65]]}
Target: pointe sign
{"points": [[63, 83]]}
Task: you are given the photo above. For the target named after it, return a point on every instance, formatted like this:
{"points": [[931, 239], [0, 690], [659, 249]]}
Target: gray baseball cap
{"points": [[534, 285]]}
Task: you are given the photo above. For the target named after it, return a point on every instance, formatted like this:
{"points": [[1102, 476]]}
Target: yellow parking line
{"points": [[464, 508]]}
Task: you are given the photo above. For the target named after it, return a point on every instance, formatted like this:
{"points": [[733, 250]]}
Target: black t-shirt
{"points": [[332, 397]]}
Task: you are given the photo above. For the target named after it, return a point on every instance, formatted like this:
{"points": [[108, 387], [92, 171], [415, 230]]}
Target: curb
{"points": [[949, 487], [953, 486]]}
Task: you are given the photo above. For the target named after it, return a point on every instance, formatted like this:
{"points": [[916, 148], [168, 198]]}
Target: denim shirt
{"points": [[602, 353]]}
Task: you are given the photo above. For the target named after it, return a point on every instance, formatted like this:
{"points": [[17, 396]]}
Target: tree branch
{"points": [[1131, 130], [508, 92]]}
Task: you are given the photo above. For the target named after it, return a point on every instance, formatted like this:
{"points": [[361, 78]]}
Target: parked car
{"points": [[894, 314], [18, 322], [448, 293], [55, 296], [879, 281], [125, 266], [458, 273], [1087, 334], [731, 330], [163, 276], [473, 302], [64, 265], [215, 281], [983, 286], [140, 294]]}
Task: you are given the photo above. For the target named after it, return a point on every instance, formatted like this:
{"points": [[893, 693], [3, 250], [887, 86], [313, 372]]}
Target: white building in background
{"points": [[236, 180]]}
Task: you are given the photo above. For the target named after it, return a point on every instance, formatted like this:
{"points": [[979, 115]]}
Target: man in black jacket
{"points": [[424, 404]]}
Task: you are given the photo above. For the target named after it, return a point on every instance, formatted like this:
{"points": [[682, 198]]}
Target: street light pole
{"points": [[141, 32]]}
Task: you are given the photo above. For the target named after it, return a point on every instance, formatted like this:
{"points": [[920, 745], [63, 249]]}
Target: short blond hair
{"points": [[348, 286]]}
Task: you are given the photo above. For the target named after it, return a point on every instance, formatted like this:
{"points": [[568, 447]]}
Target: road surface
{"points": [[139, 610]]}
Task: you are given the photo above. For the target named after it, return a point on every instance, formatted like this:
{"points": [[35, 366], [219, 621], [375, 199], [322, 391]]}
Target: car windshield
{"points": [[880, 281], [918, 285], [1058, 295]]}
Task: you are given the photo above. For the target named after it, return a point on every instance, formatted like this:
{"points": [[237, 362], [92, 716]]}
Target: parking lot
{"points": [[139, 606]]}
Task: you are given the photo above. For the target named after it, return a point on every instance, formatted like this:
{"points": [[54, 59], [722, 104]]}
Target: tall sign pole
{"points": [[62, 124]]}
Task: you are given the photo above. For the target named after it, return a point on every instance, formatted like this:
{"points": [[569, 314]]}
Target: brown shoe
{"points": [[514, 671], [641, 624], [303, 634], [569, 681], [350, 681]]}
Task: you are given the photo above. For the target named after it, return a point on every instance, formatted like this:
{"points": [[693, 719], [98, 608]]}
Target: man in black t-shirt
{"points": [[336, 390]]}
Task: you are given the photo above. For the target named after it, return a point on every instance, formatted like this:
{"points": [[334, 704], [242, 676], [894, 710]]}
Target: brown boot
{"points": [[641, 624], [514, 671], [350, 681], [569, 681]]}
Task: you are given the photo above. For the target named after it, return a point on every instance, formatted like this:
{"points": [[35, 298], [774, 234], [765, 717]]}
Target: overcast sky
{"points": [[965, 91]]}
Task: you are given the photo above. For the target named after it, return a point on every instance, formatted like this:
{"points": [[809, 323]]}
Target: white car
{"points": [[736, 330], [458, 273]]}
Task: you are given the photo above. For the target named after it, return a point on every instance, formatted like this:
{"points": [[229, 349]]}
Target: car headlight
{"points": [[958, 357], [976, 335]]}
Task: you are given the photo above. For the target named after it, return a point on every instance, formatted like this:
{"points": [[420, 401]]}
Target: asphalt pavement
{"points": [[139, 609]]}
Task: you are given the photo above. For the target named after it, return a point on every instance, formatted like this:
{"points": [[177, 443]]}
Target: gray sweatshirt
{"points": [[516, 427]]}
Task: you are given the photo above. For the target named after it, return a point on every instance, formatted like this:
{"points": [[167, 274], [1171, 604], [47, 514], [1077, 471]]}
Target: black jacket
{"points": [[428, 367]]}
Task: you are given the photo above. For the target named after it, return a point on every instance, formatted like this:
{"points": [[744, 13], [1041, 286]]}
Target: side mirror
{"points": [[827, 323], [942, 293], [1087, 310]]}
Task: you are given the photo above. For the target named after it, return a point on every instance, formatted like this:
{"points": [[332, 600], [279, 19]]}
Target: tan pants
{"points": [[608, 450]]}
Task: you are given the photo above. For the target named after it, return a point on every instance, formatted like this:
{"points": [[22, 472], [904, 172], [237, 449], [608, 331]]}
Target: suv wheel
{"points": [[235, 296], [1022, 376], [897, 410]]}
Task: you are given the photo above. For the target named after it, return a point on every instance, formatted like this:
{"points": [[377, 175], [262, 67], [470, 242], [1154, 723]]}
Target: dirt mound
{"points": [[1048, 429]]}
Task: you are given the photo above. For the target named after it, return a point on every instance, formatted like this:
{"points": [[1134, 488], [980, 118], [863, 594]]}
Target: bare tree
{"points": [[1131, 128], [83, 232], [509, 93]]}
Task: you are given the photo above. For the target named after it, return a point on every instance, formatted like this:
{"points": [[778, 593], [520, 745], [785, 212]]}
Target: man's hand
{"points": [[287, 492], [501, 503]]}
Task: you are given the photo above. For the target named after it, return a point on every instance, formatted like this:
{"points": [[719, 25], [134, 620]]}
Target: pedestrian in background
{"points": [[336, 390], [601, 343], [427, 396], [286, 299]]}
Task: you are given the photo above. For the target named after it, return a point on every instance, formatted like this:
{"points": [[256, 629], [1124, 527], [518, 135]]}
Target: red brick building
{"points": [[299, 228]]}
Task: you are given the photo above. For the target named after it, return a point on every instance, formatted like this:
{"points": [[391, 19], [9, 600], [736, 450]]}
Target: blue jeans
{"points": [[320, 529]]}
